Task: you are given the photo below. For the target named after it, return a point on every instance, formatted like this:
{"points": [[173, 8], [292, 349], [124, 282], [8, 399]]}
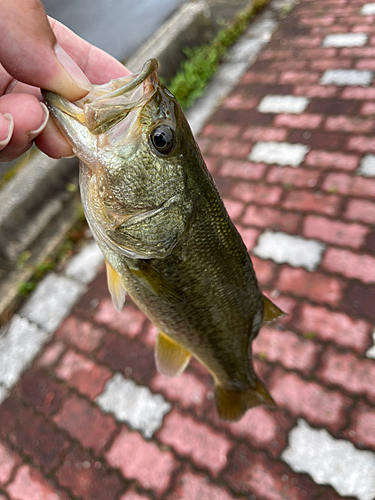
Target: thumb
{"points": [[29, 51]]}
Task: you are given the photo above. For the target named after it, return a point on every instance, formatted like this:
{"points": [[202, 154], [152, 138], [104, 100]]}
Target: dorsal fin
{"points": [[171, 358], [116, 287], [270, 311]]}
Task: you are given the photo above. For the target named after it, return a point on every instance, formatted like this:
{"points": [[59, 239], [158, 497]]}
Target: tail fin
{"points": [[232, 404]]}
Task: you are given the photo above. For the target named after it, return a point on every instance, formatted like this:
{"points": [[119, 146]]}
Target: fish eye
{"points": [[162, 138]]}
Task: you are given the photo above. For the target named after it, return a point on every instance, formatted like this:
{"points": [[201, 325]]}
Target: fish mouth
{"points": [[105, 106]]}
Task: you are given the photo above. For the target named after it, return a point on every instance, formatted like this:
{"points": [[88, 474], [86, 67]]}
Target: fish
{"points": [[167, 239]]}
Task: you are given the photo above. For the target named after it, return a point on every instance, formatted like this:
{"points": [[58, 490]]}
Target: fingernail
{"points": [[72, 68], [9, 118], [33, 133]]}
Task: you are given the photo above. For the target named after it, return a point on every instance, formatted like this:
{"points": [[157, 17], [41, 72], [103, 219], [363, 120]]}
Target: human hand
{"points": [[38, 52]]}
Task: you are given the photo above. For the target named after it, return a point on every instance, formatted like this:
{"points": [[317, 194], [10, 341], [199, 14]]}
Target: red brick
{"points": [[234, 208], [300, 177], [317, 53], [276, 54], [80, 334], [226, 131], [361, 52], [362, 426], [345, 124], [351, 265], [204, 144], [130, 357], [368, 108], [362, 143], [336, 232], [128, 322], [133, 495], [264, 269], [231, 148], [315, 91], [315, 286], [309, 400], [266, 217], [334, 327], [360, 300], [50, 354], [314, 21], [295, 77], [324, 64], [187, 390], [279, 66], [142, 460], [305, 121], [256, 134], [242, 169], [344, 184], [239, 101], [257, 193], [86, 423], [312, 202], [193, 486], [29, 484], [286, 348], [88, 478], [192, 439], [211, 163], [41, 391], [363, 187], [361, 210], [366, 64], [83, 374], [325, 159], [8, 461], [354, 375], [249, 236], [259, 78], [253, 475], [264, 428], [37, 438]]}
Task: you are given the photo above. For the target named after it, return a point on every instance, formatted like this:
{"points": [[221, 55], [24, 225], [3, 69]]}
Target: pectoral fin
{"points": [[116, 287], [232, 404], [271, 311], [171, 358], [156, 282]]}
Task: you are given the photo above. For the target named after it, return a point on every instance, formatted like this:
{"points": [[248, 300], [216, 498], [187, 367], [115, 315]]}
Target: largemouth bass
{"points": [[167, 239]]}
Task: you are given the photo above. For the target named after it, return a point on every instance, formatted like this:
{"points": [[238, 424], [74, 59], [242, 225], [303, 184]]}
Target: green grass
{"points": [[202, 62]]}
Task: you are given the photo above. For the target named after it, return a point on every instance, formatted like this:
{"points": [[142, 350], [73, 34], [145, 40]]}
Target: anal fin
{"points": [[116, 287], [271, 311], [171, 358], [232, 404]]}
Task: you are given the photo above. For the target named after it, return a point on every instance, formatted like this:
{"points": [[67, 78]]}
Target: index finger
{"points": [[97, 65]]}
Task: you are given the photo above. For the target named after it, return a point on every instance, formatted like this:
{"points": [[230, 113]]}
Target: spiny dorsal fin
{"points": [[233, 404], [116, 287], [270, 311], [171, 358]]}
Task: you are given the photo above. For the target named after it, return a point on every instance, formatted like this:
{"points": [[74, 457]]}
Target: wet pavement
{"points": [[292, 151], [117, 26]]}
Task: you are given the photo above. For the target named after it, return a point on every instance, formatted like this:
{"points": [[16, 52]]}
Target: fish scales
{"points": [[166, 237]]}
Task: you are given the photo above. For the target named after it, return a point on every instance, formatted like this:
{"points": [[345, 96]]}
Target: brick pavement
{"points": [[292, 150]]}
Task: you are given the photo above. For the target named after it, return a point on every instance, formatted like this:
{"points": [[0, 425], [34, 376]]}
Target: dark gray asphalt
{"points": [[116, 26]]}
